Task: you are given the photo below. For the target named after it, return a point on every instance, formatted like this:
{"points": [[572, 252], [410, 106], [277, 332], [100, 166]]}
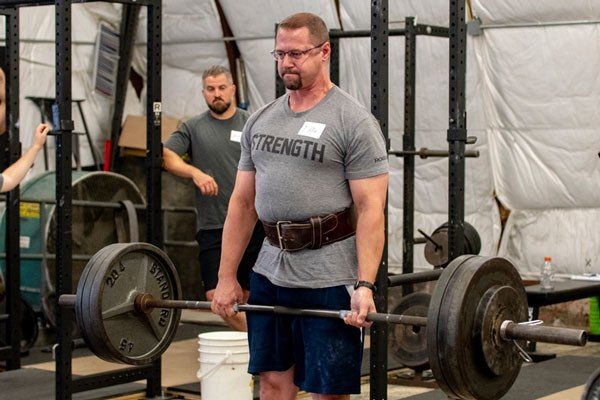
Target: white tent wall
{"points": [[186, 25], [544, 115], [431, 175], [260, 66], [565, 234], [37, 73], [541, 97], [532, 101], [515, 12]]}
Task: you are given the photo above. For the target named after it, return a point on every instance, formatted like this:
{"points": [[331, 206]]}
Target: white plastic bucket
{"points": [[223, 366]]}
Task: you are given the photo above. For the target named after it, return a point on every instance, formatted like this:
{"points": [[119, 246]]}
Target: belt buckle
{"points": [[279, 235]]}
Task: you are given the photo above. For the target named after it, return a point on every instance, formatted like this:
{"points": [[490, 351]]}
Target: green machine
{"points": [[99, 219]]}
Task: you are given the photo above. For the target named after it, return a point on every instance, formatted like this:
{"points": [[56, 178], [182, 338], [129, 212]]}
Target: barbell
{"points": [[128, 305]]}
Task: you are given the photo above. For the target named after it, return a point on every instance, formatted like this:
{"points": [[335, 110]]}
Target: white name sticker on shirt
{"points": [[312, 129], [236, 136]]}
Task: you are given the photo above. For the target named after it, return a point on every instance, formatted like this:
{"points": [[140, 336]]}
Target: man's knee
{"points": [[277, 385], [331, 396]]}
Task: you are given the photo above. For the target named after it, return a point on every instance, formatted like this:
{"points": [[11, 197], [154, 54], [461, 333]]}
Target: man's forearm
{"points": [[369, 242], [176, 166], [16, 172], [237, 231]]}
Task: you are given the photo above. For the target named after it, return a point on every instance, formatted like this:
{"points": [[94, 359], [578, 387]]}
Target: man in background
{"points": [[212, 141]]}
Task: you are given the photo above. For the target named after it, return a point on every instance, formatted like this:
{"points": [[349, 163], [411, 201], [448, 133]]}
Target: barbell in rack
{"points": [[128, 304]]}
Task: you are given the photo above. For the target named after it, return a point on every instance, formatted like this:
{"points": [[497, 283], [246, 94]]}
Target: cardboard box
{"points": [[133, 134]]}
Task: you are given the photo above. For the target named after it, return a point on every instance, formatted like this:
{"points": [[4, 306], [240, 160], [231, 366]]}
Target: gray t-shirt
{"points": [[214, 147], [303, 162]]}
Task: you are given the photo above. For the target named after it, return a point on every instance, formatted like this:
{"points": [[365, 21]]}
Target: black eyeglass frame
{"points": [[279, 55]]}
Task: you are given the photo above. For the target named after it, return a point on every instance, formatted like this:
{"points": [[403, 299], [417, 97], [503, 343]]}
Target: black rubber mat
{"points": [[541, 379], [194, 387], [44, 353], [31, 383]]}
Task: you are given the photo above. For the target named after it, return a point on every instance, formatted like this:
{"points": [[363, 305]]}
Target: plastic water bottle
{"points": [[547, 274]]}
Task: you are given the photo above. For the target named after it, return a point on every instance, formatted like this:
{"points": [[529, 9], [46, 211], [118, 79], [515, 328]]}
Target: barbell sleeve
{"points": [[414, 277], [182, 304], [510, 330], [426, 153], [67, 300]]}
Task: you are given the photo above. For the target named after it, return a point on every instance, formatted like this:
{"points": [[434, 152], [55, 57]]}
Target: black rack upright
{"points": [[457, 129], [66, 386], [11, 352]]}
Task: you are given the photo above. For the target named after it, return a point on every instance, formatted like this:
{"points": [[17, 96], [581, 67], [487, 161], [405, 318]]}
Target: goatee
{"points": [[291, 80]]}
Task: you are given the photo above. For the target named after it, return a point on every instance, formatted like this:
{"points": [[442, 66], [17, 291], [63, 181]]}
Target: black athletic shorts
{"points": [[210, 241], [326, 353]]}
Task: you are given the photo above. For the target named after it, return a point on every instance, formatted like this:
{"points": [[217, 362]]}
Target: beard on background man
{"points": [[219, 106]]}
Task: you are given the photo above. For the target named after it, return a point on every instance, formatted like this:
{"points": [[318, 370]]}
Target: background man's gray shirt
{"points": [[303, 162], [214, 147]]}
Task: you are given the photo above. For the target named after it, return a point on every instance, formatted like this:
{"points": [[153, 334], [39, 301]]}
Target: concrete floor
{"points": [[180, 365]]}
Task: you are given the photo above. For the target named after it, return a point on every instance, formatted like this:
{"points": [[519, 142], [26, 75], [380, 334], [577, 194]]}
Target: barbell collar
{"points": [[67, 300], [510, 330]]}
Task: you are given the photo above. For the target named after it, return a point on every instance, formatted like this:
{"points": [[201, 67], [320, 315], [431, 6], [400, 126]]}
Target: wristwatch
{"points": [[366, 284]]}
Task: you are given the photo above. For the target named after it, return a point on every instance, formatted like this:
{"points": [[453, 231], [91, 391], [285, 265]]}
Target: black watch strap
{"points": [[366, 284]]}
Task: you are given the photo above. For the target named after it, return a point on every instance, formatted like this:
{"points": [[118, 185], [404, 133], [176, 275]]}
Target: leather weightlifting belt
{"points": [[313, 233]]}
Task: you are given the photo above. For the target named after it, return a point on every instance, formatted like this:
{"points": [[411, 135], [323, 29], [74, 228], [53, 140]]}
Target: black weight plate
{"points": [[82, 295], [93, 339], [2, 288], [119, 333], [455, 350], [472, 238], [435, 324], [592, 387], [28, 328], [438, 257], [408, 344], [497, 305], [93, 326]]}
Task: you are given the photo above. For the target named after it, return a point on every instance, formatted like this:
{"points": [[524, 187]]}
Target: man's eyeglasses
{"points": [[279, 55]]}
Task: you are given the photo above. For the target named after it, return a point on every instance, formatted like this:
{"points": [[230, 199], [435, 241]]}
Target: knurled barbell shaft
{"points": [[539, 333], [340, 314], [509, 330]]}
